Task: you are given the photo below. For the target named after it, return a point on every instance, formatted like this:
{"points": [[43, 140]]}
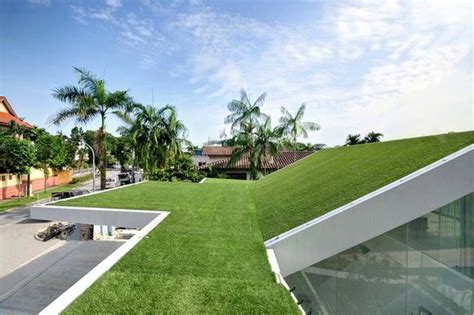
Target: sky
{"points": [[403, 68]]}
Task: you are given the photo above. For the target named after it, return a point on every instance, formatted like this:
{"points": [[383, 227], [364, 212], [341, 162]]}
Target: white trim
{"points": [[65, 299], [97, 216], [203, 180], [97, 192], [279, 278], [376, 213]]}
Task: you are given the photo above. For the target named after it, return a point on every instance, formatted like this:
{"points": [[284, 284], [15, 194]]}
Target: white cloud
{"points": [[131, 30], [399, 67], [113, 3]]}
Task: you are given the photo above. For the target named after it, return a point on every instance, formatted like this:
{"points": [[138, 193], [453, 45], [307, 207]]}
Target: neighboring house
{"points": [[11, 185], [241, 168], [209, 154], [7, 114]]}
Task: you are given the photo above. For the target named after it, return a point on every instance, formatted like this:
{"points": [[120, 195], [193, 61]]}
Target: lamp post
{"points": [[93, 164]]}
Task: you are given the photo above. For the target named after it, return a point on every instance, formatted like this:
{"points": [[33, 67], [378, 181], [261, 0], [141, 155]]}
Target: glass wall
{"points": [[423, 267]]}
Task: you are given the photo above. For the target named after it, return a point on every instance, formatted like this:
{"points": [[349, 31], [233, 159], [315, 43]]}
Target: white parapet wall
{"points": [[99, 216], [376, 213]]}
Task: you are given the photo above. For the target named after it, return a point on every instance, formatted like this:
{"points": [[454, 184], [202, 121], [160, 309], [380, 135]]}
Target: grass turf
{"points": [[334, 177], [207, 256]]}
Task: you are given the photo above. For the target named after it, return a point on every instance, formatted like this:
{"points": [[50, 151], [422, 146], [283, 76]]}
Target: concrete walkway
{"points": [[32, 287]]}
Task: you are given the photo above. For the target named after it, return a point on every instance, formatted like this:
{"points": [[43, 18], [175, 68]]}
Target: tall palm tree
{"points": [[244, 113], [88, 100], [174, 133], [267, 142], [244, 146], [257, 146], [293, 126], [156, 135], [373, 137]]}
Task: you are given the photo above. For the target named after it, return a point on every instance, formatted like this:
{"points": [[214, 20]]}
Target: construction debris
{"points": [[60, 230]]}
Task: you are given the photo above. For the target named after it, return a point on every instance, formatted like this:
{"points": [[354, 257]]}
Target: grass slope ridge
{"points": [[334, 177], [207, 256]]}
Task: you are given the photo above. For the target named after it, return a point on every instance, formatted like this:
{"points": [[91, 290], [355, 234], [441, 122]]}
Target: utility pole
{"points": [[93, 164]]}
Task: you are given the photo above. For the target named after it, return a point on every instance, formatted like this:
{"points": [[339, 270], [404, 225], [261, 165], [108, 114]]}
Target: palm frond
{"points": [[62, 115], [300, 112], [69, 93], [311, 126], [286, 114], [260, 100]]}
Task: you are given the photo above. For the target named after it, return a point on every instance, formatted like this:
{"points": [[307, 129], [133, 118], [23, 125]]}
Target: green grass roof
{"points": [[207, 256], [334, 177]]}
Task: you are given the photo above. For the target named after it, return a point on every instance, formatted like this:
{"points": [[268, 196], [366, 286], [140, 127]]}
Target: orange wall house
{"points": [[8, 182]]}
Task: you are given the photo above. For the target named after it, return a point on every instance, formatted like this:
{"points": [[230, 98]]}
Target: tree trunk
{"points": [[18, 185], [102, 153], [28, 183]]}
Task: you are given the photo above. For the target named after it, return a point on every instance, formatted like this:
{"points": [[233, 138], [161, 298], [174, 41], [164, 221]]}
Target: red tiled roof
{"points": [[217, 150], [6, 118], [284, 158]]}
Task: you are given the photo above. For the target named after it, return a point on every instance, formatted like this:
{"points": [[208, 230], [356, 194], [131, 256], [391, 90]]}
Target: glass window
{"points": [[422, 267]]}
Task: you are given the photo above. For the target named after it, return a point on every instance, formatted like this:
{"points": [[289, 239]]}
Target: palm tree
{"points": [[267, 142], [244, 113], [174, 133], [156, 135], [293, 126], [87, 101], [244, 146], [373, 137], [353, 139], [257, 146]]}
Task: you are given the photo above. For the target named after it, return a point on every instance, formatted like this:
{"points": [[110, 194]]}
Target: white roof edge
{"points": [[279, 238]]}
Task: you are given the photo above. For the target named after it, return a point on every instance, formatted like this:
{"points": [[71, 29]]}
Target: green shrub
{"points": [[81, 179], [181, 170]]}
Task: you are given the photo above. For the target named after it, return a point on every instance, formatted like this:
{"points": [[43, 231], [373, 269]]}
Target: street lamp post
{"points": [[93, 164]]}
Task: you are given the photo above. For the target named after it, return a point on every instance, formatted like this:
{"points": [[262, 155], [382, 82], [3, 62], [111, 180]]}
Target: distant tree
{"points": [[245, 125], [17, 156], [51, 152], [90, 137], [293, 126], [319, 146], [373, 137], [122, 152], [267, 142], [87, 101], [244, 113], [354, 139]]}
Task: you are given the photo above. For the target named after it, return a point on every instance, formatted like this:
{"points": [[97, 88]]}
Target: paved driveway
{"points": [[32, 287]]}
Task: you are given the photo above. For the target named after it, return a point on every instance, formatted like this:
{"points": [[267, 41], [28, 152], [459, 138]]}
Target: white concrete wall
{"points": [[100, 216], [376, 213]]}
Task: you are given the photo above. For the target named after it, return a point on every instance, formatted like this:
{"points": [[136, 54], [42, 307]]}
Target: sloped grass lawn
{"points": [[332, 178], [207, 256]]}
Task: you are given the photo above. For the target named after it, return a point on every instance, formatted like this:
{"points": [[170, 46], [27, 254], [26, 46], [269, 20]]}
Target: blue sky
{"points": [[402, 68]]}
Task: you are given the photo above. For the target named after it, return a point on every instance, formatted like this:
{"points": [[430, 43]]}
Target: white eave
{"points": [[376, 213]]}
